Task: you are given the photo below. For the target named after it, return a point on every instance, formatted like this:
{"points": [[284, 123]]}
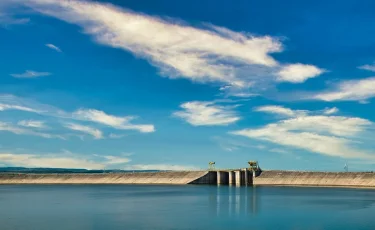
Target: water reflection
{"points": [[234, 201]]}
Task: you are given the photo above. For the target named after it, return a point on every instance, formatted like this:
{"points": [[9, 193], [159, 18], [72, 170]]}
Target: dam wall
{"points": [[236, 177], [327, 179], [208, 178], [169, 177]]}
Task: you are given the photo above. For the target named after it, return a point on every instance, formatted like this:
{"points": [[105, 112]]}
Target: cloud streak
{"points": [[207, 53], [11, 102], [329, 135], [96, 133], [30, 74], [22, 131], [202, 113], [370, 67], [110, 120], [65, 159], [32, 124], [274, 109], [52, 46], [351, 90], [160, 167]]}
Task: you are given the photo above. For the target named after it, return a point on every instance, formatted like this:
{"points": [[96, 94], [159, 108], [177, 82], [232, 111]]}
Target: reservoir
{"points": [[184, 207]]}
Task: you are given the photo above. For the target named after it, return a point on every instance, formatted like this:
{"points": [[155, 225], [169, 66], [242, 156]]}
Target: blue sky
{"points": [[173, 85]]}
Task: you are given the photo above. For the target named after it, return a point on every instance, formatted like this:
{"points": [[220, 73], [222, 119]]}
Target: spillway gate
{"points": [[240, 177]]}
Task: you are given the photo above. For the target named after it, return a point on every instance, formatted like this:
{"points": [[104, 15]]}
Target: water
{"points": [[112, 207]]}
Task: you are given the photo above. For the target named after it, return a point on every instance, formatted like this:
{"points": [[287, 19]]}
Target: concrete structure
{"points": [[222, 177], [232, 178], [238, 177], [246, 177], [197, 177], [327, 179]]}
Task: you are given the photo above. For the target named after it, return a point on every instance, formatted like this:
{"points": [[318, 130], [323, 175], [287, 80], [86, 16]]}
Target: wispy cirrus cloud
{"points": [[33, 124], [369, 67], [110, 120], [4, 107], [4, 126], [7, 20], [329, 111], [338, 136], [30, 74], [48, 161], [116, 136], [7, 15], [160, 167], [96, 133], [205, 113], [207, 53], [11, 102], [350, 90], [64, 159], [116, 160], [275, 109], [52, 46]]}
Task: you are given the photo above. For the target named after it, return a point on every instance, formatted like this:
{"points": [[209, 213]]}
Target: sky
{"points": [[161, 84]]}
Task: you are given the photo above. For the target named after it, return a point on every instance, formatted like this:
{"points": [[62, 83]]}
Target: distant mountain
{"points": [[63, 170]]}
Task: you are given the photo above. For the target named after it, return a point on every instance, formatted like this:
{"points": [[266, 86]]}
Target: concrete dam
{"points": [[105, 178], [240, 177]]}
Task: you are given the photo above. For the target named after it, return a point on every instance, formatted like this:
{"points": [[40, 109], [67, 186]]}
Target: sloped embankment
{"points": [[103, 178], [297, 178]]}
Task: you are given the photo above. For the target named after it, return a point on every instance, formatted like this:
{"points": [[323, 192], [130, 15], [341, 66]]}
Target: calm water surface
{"points": [[112, 207]]}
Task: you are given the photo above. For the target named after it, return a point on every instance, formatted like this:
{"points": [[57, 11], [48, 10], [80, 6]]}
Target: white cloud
{"points": [[297, 73], [4, 107], [7, 17], [351, 90], [334, 125], [282, 151], [96, 133], [48, 161], [327, 145], [329, 111], [110, 120], [179, 50], [52, 46], [207, 53], [30, 74], [199, 113], [115, 160], [32, 124], [160, 167], [328, 135], [22, 131], [231, 145], [11, 102], [116, 136], [368, 67], [8, 20], [65, 159], [275, 109]]}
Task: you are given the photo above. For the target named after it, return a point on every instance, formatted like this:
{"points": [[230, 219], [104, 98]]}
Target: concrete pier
{"points": [[246, 177], [232, 178], [222, 177], [238, 177]]}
